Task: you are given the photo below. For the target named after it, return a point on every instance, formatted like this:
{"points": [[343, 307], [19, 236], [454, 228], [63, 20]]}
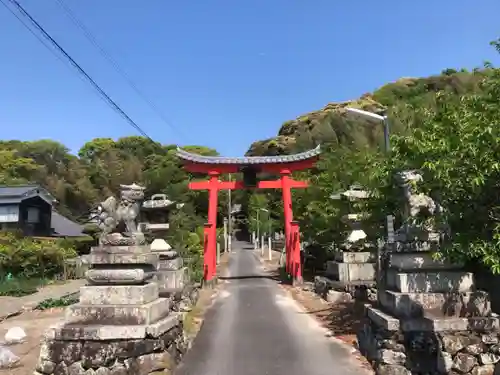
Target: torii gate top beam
{"points": [[269, 164]]}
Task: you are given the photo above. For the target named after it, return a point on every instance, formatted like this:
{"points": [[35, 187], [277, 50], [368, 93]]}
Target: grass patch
{"points": [[192, 319], [51, 303], [20, 287]]}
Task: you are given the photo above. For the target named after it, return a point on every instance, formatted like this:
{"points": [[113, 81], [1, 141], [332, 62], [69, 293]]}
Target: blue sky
{"points": [[224, 72]]}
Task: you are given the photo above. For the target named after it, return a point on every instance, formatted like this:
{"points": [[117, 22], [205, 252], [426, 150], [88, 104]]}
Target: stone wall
{"points": [[113, 357], [427, 352], [142, 356]]}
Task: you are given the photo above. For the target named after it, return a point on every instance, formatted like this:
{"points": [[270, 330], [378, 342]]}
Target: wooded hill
{"points": [[332, 125]]}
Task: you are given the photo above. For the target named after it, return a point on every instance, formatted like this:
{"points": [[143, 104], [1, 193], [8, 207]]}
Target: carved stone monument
{"points": [[120, 325], [430, 316]]}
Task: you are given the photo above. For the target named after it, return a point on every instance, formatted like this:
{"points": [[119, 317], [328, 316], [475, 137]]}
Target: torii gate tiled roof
{"points": [[248, 160]]}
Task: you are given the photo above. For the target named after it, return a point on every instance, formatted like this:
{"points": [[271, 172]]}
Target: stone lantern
{"points": [[354, 263], [355, 239], [171, 275]]}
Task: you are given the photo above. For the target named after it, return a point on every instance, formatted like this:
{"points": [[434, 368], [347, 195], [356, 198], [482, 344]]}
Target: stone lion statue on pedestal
{"points": [[118, 219]]}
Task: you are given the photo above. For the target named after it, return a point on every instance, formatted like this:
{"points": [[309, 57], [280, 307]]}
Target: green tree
{"points": [[14, 169], [457, 148]]}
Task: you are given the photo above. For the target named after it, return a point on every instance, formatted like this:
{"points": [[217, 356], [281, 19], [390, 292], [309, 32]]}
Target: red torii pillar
{"points": [[286, 193]]}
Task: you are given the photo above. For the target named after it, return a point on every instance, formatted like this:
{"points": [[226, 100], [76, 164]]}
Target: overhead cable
{"points": [[92, 39], [77, 66]]}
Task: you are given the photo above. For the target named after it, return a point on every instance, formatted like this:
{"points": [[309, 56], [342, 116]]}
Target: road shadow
{"points": [[247, 247], [248, 277], [342, 319]]}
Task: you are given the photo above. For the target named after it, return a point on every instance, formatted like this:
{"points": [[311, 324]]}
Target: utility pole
{"points": [[229, 218], [226, 241], [389, 218], [258, 226]]}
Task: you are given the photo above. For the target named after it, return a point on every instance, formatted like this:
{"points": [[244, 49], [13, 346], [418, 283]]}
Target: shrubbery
{"points": [[191, 250], [81, 245], [25, 257]]}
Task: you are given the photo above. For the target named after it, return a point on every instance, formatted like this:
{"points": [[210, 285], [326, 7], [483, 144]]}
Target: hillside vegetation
{"points": [[332, 124]]}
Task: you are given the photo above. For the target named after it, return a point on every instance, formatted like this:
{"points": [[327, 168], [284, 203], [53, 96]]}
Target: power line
{"points": [[103, 94], [90, 37]]}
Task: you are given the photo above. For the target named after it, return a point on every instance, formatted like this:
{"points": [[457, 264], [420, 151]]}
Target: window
{"points": [[9, 214], [33, 215]]}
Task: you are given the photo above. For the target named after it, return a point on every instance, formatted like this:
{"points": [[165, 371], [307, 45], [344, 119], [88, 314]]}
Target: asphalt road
{"points": [[254, 328]]}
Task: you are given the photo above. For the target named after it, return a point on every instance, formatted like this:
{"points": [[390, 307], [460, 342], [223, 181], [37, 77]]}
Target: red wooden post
{"points": [[206, 252], [296, 261], [213, 193], [293, 240], [287, 213]]}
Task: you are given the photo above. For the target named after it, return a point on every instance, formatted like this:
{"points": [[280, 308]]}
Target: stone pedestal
{"points": [[430, 318], [350, 275], [352, 268], [171, 274], [120, 325]]}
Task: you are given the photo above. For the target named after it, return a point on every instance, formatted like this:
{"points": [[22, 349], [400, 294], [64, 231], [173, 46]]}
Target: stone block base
{"points": [[394, 352], [118, 294], [118, 314], [172, 280], [168, 263], [76, 331], [348, 272], [139, 355], [123, 276], [416, 305], [355, 257], [419, 261], [430, 282], [433, 324]]}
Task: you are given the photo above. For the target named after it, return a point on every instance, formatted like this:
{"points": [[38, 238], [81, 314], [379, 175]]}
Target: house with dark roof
{"points": [[30, 208]]}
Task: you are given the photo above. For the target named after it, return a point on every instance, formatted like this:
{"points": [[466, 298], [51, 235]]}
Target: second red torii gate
{"points": [[284, 165]]}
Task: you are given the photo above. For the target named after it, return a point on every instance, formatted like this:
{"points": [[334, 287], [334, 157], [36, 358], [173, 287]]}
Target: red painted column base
{"points": [[296, 265], [207, 253]]}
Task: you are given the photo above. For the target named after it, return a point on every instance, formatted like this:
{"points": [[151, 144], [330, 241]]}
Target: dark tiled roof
{"points": [[65, 227], [247, 160], [15, 191], [15, 194]]}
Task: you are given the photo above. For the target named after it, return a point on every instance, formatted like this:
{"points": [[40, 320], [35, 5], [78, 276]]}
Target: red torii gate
{"points": [[284, 165]]}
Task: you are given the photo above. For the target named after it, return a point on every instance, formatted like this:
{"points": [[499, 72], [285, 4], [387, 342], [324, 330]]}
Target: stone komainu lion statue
{"points": [[114, 215], [417, 202]]}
